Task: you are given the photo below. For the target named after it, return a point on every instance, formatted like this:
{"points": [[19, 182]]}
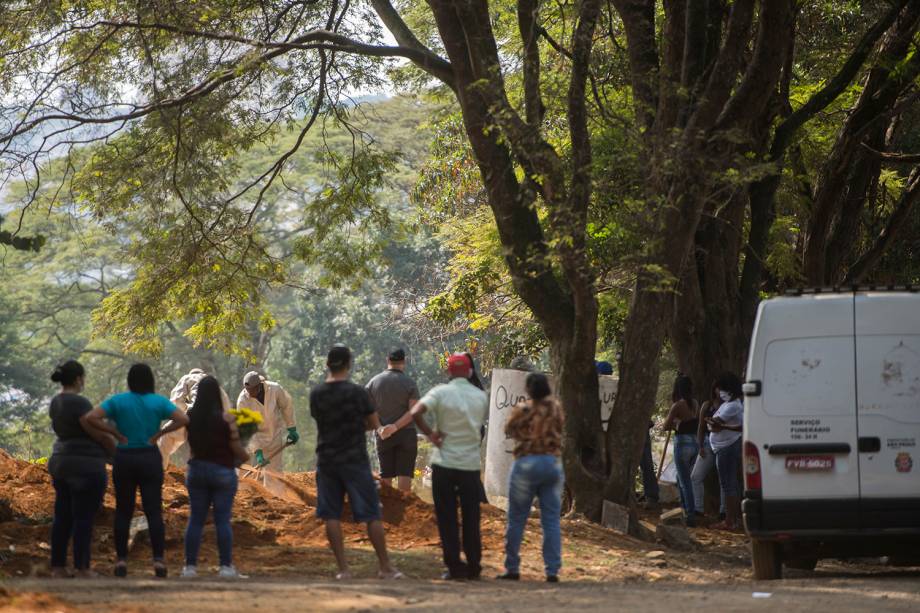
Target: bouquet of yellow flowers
{"points": [[247, 422]]}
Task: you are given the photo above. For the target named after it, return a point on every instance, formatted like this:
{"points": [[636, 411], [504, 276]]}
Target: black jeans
{"points": [[77, 499], [132, 469], [447, 485]]}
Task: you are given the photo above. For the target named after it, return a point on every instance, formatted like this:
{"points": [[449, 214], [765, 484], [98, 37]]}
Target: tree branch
{"points": [[639, 20], [727, 64], [897, 158], [838, 83], [433, 64], [527, 11], [906, 203], [777, 18], [313, 40]]}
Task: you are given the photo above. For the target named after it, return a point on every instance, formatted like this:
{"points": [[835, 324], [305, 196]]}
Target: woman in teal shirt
{"points": [[137, 415]]}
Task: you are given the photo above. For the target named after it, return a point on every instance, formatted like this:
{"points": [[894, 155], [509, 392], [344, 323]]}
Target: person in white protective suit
{"points": [[277, 429], [183, 396]]}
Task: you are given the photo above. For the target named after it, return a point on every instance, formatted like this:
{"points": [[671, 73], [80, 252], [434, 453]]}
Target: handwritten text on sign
{"points": [[507, 390]]}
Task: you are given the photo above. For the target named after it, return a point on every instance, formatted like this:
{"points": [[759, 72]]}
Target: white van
{"points": [[832, 428]]}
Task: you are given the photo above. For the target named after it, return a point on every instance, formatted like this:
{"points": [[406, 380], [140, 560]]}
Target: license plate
{"points": [[809, 463]]}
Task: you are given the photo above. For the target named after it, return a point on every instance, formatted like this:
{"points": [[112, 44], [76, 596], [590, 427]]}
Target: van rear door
{"points": [[804, 421], [888, 392]]}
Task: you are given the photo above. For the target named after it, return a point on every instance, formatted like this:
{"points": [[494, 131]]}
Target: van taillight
{"points": [[751, 466]]}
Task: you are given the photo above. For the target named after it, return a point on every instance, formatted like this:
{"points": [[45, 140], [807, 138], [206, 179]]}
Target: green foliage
{"points": [[107, 262]]}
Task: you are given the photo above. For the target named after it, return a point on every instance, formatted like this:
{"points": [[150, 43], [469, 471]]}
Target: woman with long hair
{"points": [[137, 415], [682, 418], [536, 428], [706, 460], [211, 478], [77, 469], [474, 373]]}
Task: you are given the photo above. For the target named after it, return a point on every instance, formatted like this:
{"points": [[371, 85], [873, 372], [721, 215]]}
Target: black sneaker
{"points": [[552, 579], [506, 576], [121, 570]]}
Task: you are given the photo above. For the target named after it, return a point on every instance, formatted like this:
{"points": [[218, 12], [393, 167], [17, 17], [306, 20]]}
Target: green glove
{"points": [[260, 459], [292, 436]]}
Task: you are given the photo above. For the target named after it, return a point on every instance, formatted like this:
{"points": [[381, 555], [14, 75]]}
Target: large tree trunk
{"points": [[566, 304], [637, 388], [583, 448], [707, 330], [646, 327]]}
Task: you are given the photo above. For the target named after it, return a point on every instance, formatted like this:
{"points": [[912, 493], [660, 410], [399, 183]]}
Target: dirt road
{"points": [[835, 591], [282, 544]]}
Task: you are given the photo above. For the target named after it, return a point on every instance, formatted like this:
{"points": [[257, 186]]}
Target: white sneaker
{"points": [[189, 571], [230, 572]]}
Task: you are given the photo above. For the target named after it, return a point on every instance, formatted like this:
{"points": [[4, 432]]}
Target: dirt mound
{"points": [[265, 525], [281, 536]]}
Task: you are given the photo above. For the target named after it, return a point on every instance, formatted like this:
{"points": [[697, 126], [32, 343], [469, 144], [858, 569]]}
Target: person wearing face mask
{"points": [[278, 430], [726, 426]]}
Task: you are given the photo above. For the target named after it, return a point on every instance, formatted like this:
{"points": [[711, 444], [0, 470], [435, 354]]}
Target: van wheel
{"points": [[767, 561]]}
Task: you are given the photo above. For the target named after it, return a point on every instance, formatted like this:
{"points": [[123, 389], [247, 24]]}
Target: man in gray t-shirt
{"points": [[393, 393]]}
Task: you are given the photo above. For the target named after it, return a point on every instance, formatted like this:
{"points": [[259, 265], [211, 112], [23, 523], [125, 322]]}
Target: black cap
{"points": [[397, 355], [339, 357]]}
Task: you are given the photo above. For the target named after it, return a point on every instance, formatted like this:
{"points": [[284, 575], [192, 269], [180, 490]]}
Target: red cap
{"points": [[458, 365]]}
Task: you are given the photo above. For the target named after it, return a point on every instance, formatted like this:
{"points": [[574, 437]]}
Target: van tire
{"points": [[766, 559]]}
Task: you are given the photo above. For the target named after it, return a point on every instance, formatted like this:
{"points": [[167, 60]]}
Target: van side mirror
{"points": [[752, 388]]}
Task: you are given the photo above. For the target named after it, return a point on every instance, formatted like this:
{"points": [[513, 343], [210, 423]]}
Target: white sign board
{"points": [[507, 390]]}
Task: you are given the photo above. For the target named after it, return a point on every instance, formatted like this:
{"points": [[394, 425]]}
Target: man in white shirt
{"points": [[457, 411]]}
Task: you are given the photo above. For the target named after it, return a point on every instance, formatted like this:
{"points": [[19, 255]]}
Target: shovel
{"points": [[248, 470]]}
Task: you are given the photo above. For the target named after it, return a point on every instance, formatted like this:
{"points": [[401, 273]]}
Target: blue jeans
{"points": [[701, 469], [647, 466], [728, 462], [77, 499], [209, 484], [685, 451], [540, 476]]}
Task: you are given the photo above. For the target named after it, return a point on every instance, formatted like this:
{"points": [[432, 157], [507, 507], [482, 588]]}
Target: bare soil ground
{"points": [[281, 545]]}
